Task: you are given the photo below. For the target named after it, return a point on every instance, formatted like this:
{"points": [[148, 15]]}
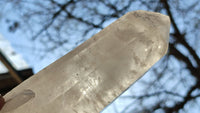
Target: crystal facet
{"points": [[91, 76]]}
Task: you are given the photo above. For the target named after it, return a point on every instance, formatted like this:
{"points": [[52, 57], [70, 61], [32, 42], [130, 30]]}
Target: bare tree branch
{"points": [[179, 36], [152, 94], [55, 15], [186, 99]]}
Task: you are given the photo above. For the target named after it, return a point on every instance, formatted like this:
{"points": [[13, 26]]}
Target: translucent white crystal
{"points": [[91, 76]]}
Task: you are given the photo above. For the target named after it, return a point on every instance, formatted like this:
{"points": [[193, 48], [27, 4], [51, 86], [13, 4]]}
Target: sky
{"points": [[16, 59], [23, 46]]}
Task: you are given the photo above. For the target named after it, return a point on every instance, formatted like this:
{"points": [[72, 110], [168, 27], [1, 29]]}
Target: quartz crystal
{"points": [[91, 76]]}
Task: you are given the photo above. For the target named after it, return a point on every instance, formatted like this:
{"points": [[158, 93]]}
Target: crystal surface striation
{"points": [[91, 76]]}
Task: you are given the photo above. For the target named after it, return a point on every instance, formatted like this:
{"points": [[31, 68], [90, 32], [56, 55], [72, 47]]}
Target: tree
{"points": [[53, 25]]}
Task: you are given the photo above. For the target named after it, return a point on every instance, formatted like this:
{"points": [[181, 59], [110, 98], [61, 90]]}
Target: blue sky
{"points": [[29, 50]]}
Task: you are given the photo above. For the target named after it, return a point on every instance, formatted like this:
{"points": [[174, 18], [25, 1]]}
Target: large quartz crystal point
{"points": [[91, 76]]}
